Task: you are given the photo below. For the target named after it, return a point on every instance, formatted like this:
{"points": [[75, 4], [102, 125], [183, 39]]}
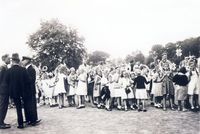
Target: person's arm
{"points": [[145, 81]]}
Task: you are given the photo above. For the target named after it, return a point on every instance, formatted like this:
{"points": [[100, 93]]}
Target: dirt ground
{"points": [[98, 121]]}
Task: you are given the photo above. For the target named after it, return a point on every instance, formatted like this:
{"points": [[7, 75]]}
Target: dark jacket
{"points": [[32, 77], [17, 80], [180, 79], [3, 85], [140, 82]]}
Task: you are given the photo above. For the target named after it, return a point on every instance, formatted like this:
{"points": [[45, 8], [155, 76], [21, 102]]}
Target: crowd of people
{"points": [[124, 87], [163, 84]]}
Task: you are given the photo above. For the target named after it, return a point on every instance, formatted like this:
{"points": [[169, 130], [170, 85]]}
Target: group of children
{"points": [[122, 87]]}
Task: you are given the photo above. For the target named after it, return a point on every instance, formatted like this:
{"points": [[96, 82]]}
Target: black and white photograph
{"points": [[99, 66]]}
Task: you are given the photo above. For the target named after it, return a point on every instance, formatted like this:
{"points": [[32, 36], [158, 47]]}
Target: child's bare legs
{"points": [[181, 105], [138, 104], [143, 105], [164, 102], [130, 101], [196, 100], [50, 101], [61, 100], [108, 104], [119, 103], [191, 97], [125, 104], [97, 102], [82, 100], [79, 100], [171, 103]]}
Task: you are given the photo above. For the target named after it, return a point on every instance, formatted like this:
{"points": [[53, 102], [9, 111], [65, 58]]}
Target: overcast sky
{"points": [[114, 26]]}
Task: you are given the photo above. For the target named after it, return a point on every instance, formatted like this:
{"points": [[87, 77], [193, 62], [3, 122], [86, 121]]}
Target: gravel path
{"points": [[95, 121]]}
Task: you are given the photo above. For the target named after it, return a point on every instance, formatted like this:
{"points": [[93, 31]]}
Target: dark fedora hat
{"points": [[26, 58], [15, 56]]}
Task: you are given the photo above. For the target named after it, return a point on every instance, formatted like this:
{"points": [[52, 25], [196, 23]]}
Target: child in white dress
{"points": [[127, 94], [72, 86], [193, 88], [97, 87], [60, 86], [81, 90]]}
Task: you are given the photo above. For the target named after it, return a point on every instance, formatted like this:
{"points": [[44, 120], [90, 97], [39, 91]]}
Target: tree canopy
{"points": [[55, 43], [97, 57], [135, 56]]}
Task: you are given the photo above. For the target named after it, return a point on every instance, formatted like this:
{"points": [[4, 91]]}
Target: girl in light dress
{"points": [[193, 89], [157, 87], [117, 88], [60, 86], [81, 90], [72, 78], [97, 87], [49, 86], [44, 88], [127, 94]]}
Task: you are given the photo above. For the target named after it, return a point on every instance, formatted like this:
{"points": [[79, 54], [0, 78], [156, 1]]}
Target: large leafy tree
{"points": [[134, 57], [189, 46], [54, 43], [97, 57]]}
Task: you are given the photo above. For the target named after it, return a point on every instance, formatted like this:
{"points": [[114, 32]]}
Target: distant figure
{"points": [[17, 80], [4, 94], [30, 102]]}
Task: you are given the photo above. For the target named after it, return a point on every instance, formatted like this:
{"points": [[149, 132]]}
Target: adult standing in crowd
{"points": [[30, 102], [4, 93], [17, 81]]}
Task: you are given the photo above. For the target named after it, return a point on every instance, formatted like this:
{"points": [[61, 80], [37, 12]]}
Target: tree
{"points": [[159, 49], [129, 58], [55, 43], [171, 51], [134, 57], [97, 57]]}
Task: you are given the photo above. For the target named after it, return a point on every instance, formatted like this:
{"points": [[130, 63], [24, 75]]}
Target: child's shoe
{"points": [[119, 107], [98, 106], [184, 110], [132, 108], [125, 108], [144, 110]]}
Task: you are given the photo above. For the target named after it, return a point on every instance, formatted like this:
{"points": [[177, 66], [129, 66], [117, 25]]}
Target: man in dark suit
{"points": [[30, 103], [17, 81], [4, 94]]}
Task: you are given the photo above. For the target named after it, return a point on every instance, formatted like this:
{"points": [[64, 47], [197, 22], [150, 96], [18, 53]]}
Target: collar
{"points": [[27, 66]]}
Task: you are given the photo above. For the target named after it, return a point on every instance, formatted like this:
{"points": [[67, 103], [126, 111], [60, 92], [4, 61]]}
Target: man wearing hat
{"points": [[17, 81], [30, 102], [4, 93]]}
